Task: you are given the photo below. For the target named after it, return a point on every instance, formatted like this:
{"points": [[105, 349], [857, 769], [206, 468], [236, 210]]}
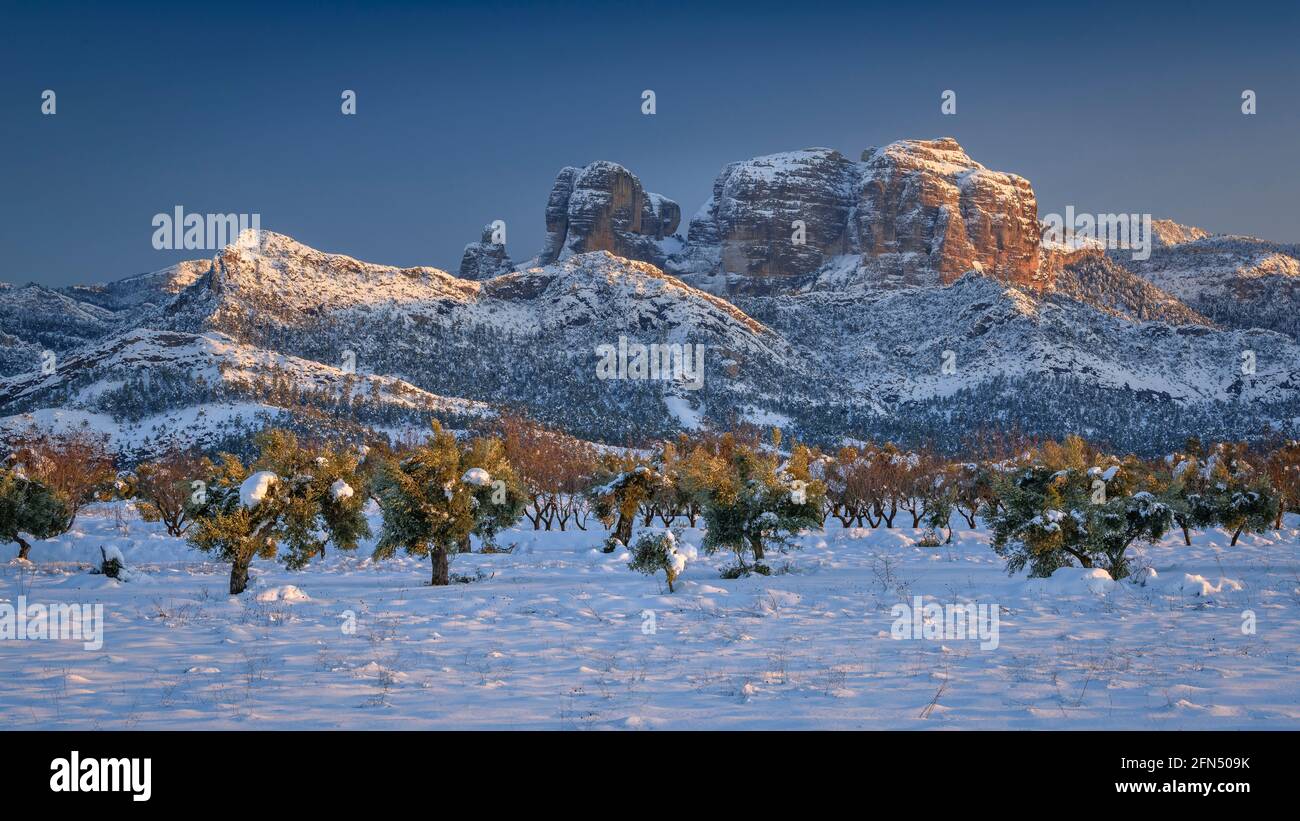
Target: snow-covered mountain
{"points": [[922, 306], [914, 212], [35, 319], [1238, 282], [145, 387]]}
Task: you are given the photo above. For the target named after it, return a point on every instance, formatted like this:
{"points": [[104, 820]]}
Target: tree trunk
{"points": [[1187, 537], [23, 547], [1084, 559], [464, 546], [1236, 536], [441, 567], [756, 543], [238, 576], [622, 531]]}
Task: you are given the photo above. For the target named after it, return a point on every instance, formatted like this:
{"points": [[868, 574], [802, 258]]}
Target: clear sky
{"points": [[467, 111]]}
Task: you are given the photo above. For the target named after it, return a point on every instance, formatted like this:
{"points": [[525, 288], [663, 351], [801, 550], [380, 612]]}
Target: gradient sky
{"points": [[467, 111]]}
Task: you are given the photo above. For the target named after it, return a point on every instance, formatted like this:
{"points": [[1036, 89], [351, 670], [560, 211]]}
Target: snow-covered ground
{"points": [[557, 635]]}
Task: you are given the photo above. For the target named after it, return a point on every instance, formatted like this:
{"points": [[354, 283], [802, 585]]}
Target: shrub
{"points": [[657, 550]]}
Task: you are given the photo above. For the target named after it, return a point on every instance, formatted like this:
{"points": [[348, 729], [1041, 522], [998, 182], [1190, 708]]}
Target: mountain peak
{"points": [[942, 156], [604, 207], [1168, 232]]}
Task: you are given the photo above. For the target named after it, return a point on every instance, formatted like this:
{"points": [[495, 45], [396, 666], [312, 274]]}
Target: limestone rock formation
{"points": [[915, 212], [603, 207], [485, 259]]}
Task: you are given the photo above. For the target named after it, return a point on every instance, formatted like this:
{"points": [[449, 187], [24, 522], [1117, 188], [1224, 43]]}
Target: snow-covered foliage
{"points": [[658, 549], [256, 487]]}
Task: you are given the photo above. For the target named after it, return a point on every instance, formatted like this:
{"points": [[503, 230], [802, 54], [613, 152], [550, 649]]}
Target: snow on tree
{"points": [[254, 490], [752, 502], [283, 505], [499, 494], [341, 491], [1240, 496], [113, 563], [1062, 510], [429, 511], [619, 494], [658, 550], [477, 477]]}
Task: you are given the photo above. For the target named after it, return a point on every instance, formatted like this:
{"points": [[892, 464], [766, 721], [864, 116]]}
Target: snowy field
{"points": [[556, 635]]}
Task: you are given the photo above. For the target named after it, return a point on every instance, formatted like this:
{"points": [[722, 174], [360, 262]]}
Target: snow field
{"points": [[557, 635]]}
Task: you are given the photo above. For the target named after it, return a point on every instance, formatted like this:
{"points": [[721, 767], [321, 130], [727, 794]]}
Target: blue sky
{"points": [[467, 111]]}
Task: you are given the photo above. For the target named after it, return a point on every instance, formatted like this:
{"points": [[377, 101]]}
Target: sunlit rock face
{"points": [[915, 212], [603, 207], [926, 213]]}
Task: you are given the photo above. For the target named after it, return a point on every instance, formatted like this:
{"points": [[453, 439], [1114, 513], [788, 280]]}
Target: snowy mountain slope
{"points": [[283, 318], [142, 290], [1050, 365], [921, 304], [35, 319], [17, 355], [1239, 282], [891, 344], [528, 338], [1095, 279], [168, 383]]}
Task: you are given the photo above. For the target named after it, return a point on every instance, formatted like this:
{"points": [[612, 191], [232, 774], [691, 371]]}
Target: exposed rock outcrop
{"points": [[773, 219], [915, 212], [485, 259], [603, 207], [1168, 232], [926, 213]]}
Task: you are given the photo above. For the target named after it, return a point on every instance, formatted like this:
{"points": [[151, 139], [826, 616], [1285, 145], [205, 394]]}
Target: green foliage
{"points": [[621, 487], [499, 502], [432, 501], [300, 512], [28, 506], [752, 502], [1059, 513], [655, 551]]}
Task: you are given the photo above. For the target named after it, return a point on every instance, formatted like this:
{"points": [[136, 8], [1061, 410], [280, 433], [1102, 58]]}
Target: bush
{"points": [[751, 502], [1059, 511], [434, 496], [28, 506], [288, 504], [657, 550]]}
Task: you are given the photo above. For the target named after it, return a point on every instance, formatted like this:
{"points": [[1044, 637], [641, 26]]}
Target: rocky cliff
{"points": [[915, 212], [603, 207]]}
